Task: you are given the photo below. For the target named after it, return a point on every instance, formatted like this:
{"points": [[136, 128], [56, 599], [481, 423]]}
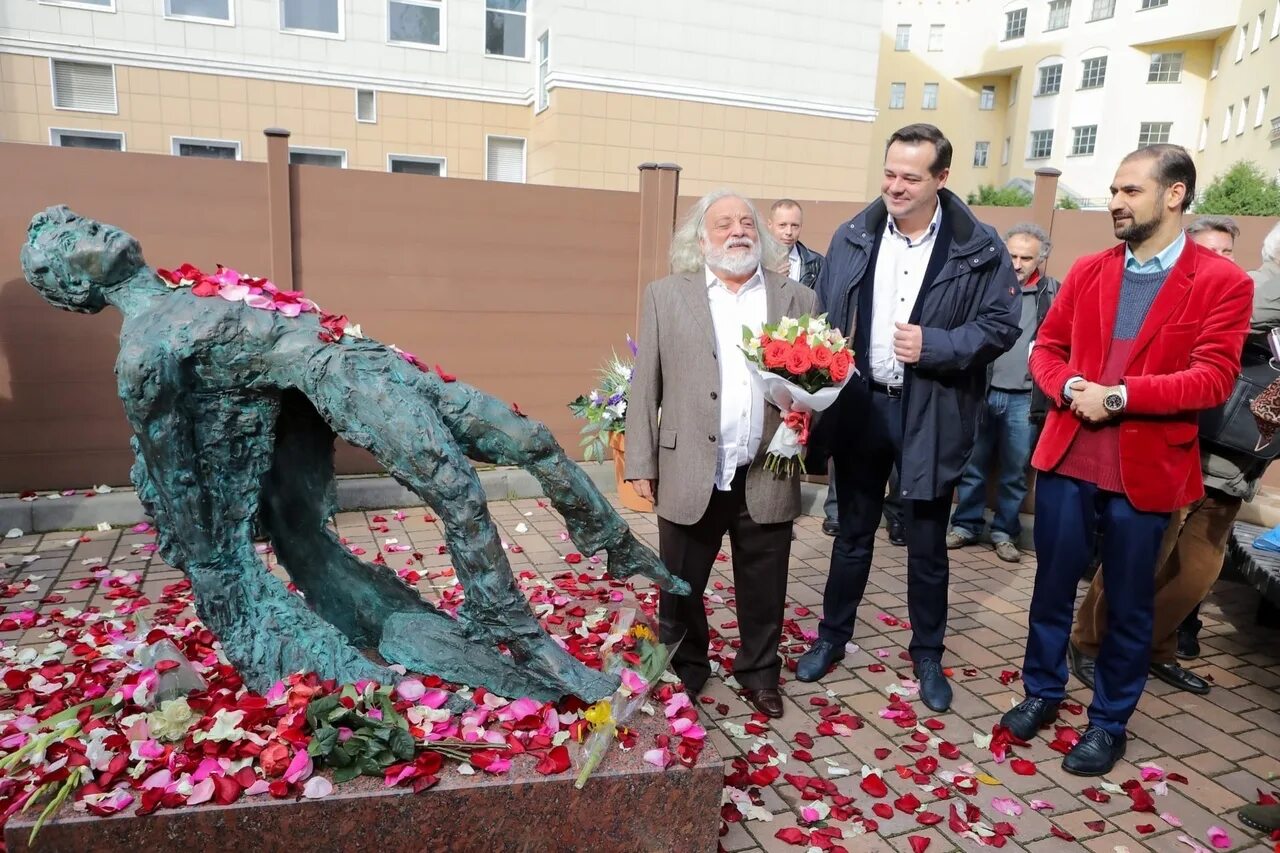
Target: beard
{"points": [[734, 263], [1133, 231]]}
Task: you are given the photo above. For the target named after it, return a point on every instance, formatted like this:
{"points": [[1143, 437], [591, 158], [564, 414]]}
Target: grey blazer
{"points": [[677, 374]]}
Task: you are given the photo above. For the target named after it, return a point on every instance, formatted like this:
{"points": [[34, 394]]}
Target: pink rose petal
{"points": [[201, 792], [300, 768], [1041, 806], [1170, 819], [658, 757], [1006, 806], [1218, 837]]}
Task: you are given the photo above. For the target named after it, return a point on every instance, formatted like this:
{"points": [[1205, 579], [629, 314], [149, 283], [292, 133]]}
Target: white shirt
{"points": [[793, 259], [899, 274], [741, 406]]}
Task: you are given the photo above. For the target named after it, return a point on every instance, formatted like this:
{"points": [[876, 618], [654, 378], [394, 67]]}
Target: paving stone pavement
{"points": [[1227, 744]]}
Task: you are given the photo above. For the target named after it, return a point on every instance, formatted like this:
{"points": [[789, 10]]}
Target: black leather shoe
{"points": [[767, 701], [816, 662], [1095, 753], [1188, 645], [831, 528], [1025, 719], [1183, 679], [1081, 665], [935, 689], [896, 534]]}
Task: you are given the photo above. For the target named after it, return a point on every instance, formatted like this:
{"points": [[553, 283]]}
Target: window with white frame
{"points": [[1204, 135], [1004, 151], [1154, 132], [1041, 144], [504, 159], [366, 106], [1257, 30], [1093, 72], [1263, 94], [1226, 122], [409, 164], [84, 86], [1217, 61], [1165, 68], [1059, 14], [1049, 80], [897, 96], [1154, 4], [212, 149], [311, 16], [902, 38], [987, 98], [104, 5], [199, 10], [99, 139], [544, 67], [1275, 21], [1243, 118], [504, 27], [416, 22], [980, 150], [335, 157], [1083, 140], [930, 100], [1015, 24], [936, 33], [1102, 9], [1240, 42]]}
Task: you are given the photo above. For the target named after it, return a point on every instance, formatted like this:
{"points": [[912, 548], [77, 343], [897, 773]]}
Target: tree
{"points": [[1066, 202], [1242, 190], [1005, 197]]}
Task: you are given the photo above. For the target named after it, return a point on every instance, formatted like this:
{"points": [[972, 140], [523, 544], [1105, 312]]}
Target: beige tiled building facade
{"points": [[521, 90]]}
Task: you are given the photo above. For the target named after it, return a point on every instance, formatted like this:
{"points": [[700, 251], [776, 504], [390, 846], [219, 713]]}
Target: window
{"points": [[1243, 118], [936, 32], [1165, 68], [504, 23], [408, 164], [987, 98], [1217, 60], [1093, 73], [930, 101], [1102, 9], [1015, 24], [101, 140], [1154, 4], [544, 66], [104, 5], [366, 106], [1059, 14], [312, 16], [1154, 132], [416, 22], [504, 160], [1204, 134], [202, 10], [335, 157], [1050, 79], [1041, 144], [1226, 122], [902, 39], [1263, 93], [1257, 31], [897, 96], [1244, 37], [1004, 151], [214, 149], [84, 86], [1275, 21], [1083, 140], [980, 150]]}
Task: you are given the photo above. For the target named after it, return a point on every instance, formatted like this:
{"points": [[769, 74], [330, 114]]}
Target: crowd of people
{"points": [[969, 358]]}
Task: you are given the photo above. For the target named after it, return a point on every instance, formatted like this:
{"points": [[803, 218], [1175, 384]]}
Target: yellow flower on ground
{"points": [[599, 714]]}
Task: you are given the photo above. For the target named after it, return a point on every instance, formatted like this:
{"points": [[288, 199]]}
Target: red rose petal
{"points": [[1063, 834], [927, 818], [1145, 828], [1023, 767], [907, 803], [791, 835], [948, 750], [882, 753], [555, 761], [874, 785], [1095, 825], [1096, 796], [883, 810], [919, 843]]}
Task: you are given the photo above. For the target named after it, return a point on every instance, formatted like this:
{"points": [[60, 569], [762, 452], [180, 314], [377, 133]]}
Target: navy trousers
{"points": [[1069, 513], [862, 470]]}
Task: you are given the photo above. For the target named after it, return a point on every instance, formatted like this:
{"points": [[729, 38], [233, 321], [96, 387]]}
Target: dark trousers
{"points": [[1069, 514], [862, 468], [760, 556]]}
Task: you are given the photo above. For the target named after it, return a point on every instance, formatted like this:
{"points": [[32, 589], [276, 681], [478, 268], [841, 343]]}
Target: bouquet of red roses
{"points": [[800, 367]]}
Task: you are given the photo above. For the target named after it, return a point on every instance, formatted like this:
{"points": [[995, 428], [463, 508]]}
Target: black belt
{"points": [[893, 391]]}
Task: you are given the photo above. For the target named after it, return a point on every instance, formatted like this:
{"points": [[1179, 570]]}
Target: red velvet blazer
{"points": [[1185, 358]]}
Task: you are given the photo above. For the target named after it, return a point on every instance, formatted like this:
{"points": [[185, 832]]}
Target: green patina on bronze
{"points": [[234, 412]]}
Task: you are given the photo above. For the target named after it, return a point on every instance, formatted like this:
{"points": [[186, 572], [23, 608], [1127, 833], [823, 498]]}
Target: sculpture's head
{"points": [[72, 259]]}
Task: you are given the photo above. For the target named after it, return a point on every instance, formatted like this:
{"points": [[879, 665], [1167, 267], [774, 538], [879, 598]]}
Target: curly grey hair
{"points": [[686, 253], [1033, 231]]}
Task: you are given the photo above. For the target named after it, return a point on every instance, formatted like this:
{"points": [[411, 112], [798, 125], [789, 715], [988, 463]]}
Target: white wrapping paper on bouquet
{"points": [[787, 449]]}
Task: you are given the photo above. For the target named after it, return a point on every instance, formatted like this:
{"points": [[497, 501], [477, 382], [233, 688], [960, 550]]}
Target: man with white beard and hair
{"points": [[702, 462]]}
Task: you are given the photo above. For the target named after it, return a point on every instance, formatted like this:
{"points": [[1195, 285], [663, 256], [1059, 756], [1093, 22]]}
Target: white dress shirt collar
{"points": [[891, 228]]}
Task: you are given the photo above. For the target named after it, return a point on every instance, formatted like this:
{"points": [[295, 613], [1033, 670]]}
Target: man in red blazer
{"points": [[1140, 339]]}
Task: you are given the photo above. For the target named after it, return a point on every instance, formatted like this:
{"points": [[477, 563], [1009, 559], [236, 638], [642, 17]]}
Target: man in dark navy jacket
{"points": [[930, 298]]}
